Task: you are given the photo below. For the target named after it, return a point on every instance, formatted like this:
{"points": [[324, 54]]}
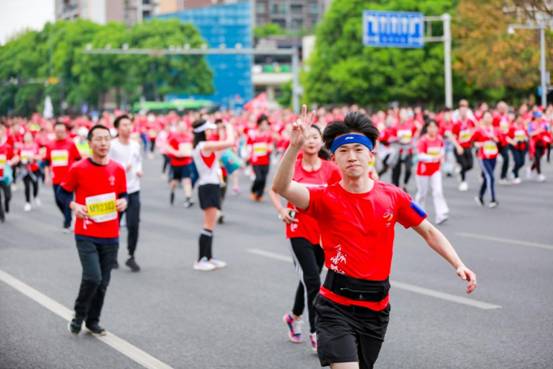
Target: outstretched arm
{"points": [[439, 243]]}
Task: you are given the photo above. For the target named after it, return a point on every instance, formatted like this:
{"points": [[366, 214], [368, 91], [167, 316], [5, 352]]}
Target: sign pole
{"points": [[448, 80]]}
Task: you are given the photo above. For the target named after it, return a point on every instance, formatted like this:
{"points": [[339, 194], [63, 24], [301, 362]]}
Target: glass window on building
{"points": [[297, 24]]}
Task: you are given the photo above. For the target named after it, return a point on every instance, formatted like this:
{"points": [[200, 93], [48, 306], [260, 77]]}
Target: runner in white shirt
{"points": [[209, 188], [127, 153]]}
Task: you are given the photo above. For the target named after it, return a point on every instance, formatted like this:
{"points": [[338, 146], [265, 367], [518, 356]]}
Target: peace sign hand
{"points": [[299, 128]]}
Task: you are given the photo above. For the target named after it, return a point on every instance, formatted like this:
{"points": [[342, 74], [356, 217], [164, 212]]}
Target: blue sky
{"points": [[18, 15]]}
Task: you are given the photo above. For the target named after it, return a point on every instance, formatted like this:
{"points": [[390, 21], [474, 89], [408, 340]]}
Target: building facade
{"points": [[103, 11]]}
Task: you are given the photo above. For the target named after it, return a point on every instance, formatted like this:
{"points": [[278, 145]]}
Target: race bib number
{"points": [[372, 162], [186, 148], [60, 158], [465, 135], [26, 156], [260, 149], [405, 136], [520, 135], [490, 148], [2, 161], [434, 151], [102, 208], [153, 133]]}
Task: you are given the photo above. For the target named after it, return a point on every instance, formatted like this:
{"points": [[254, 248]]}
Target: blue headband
{"points": [[351, 138]]}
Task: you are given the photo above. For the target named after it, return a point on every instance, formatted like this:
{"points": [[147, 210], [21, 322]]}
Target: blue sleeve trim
{"points": [[420, 211]]}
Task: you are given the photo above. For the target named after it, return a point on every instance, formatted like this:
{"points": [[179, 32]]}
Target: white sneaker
{"points": [[441, 220], [203, 265], [27, 207], [517, 181], [218, 264], [38, 203], [463, 186], [541, 178], [528, 173], [504, 181]]}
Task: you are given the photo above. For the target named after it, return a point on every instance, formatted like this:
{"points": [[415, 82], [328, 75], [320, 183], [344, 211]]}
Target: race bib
{"points": [[490, 148], [372, 162], [2, 161], [520, 135], [260, 149], [434, 151], [102, 208], [153, 133], [465, 135], [404, 136], [60, 158], [26, 156], [504, 126], [186, 148]]}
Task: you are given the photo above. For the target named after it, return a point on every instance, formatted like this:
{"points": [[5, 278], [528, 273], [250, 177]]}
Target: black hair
{"points": [[261, 119], [94, 128], [323, 152], [119, 119], [353, 122], [199, 136], [427, 123], [218, 121]]}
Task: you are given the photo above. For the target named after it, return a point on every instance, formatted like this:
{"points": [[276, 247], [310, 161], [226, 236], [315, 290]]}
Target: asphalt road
{"points": [[232, 318]]}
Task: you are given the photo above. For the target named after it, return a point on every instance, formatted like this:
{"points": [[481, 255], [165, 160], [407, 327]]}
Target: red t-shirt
{"points": [[463, 131], [357, 232], [433, 149], [307, 227], [97, 187], [61, 154], [519, 133], [6, 154], [489, 137], [261, 147], [180, 141], [27, 154]]}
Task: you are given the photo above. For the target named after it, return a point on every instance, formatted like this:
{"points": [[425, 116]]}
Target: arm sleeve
{"points": [[316, 196], [64, 196], [409, 214], [69, 183]]}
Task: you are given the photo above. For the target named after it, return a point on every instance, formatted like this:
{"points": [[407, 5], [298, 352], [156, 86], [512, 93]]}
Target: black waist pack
{"points": [[356, 289]]}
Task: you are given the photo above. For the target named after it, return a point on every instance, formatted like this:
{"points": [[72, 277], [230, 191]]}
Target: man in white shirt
{"points": [[127, 153]]}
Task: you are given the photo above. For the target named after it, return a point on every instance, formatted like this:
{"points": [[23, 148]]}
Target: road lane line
{"points": [[506, 240], [400, 285], [117, 343]]}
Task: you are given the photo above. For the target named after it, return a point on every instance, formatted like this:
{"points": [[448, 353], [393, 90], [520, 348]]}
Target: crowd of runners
{"points": [[333, 166]]}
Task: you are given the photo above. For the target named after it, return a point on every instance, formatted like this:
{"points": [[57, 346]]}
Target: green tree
{"points": [[268, 29], [342, 70]]}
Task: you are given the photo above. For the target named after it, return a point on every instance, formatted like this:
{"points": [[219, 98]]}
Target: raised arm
{"points": [[228, 142], [439, 243]]}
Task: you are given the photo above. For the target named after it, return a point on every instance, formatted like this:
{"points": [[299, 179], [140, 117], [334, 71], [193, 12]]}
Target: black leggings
{"points": [[466, 161], [132, 215], [309, 260], [165, 164], [261, 173], [406, 161], [488, 178], [6, 194], [504, 152], [518, 157], [540, 151], [31, 180]]}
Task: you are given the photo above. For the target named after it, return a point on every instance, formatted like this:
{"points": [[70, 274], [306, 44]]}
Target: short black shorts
{"points": [[181, 171], [210, 196], [349, 334]]}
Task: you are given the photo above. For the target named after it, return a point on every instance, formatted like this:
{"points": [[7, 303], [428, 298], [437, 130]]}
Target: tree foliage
{"points": [[268, 29], [27, 62]]}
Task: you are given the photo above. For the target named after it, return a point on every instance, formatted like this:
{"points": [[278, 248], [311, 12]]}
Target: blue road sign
{"points": [[393, 29]]}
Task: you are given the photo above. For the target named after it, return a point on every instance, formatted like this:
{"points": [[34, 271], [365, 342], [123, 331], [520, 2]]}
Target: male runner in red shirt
{"points": [[100, 188], [356, 217], [7, 159], [60, 155]]}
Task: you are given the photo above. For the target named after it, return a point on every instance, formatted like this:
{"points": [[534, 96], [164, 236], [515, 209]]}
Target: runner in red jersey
{"points": [[356, 217], [30, 171], [405, 132], [502, 121], [99, 184], [260, 144], [303, 232], [60, 155], [179, 149], [540, 132], [518, 141], [486, 139], [7, 160], [431, 150], [463, 130]]}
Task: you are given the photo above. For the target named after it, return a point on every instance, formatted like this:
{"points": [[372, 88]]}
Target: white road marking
{"points": [[119, 344], [400, 285], [506, 240]]}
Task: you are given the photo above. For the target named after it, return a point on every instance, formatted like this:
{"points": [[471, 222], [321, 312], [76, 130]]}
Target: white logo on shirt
{"points": [[338, 259]]}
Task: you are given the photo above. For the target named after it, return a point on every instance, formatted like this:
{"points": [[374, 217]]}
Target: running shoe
{"points": [[221, 219], [75, 325], [294, 328], [313, 341], [188, 203], [541, 178], [95, 329], [440, 221], [27, 207], [236, 191], [66, 230], [218, 264], [504, 181], [479, 200], [517, 181], [463, 186], [38, 203], [131, 263], [203, 265], [493, 204]]}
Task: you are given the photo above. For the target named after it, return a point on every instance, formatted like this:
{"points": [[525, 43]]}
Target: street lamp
{"points": [[541, 26]]}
